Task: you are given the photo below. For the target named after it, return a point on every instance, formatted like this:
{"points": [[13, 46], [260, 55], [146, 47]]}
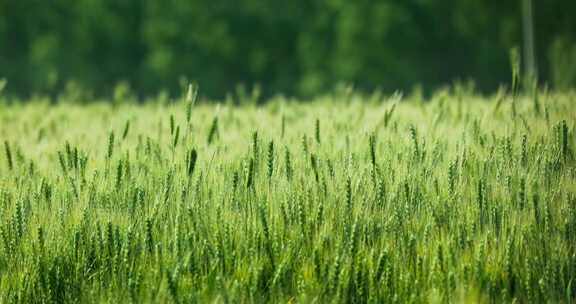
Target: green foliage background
{"points": [[297, 47]]}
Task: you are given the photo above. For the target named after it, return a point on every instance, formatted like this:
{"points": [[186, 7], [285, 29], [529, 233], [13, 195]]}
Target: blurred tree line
{"points": [[297, 47]]}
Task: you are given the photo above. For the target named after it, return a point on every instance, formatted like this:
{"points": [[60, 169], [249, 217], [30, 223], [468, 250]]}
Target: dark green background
{"points": [[296, 47]]}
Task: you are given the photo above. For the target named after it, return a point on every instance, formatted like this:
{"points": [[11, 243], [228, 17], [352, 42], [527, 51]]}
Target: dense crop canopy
{"points": [[348, 198]]}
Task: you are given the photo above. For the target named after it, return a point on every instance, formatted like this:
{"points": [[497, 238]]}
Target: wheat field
{"points": [[346, 198]]}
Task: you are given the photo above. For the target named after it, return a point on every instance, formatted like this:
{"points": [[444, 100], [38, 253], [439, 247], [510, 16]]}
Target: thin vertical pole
{"points": [[529, 50]]}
